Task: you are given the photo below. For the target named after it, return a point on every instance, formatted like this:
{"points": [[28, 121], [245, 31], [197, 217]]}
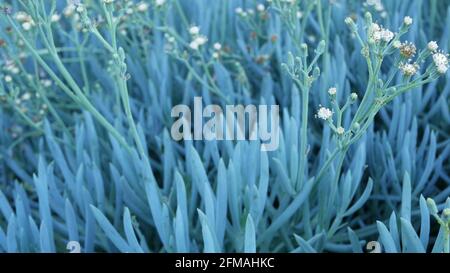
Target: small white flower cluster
{"points": [[407, 21], [8, 79], [132, 7], [433, 46], [324, 113], [332, 91], [244, 13], [69, 10], [11, 67], [80, 8], [197, 39], [240, 11], [46, 82], [217, 50], [55, 17], [141, 7], [441, 62], [379, 34], [25, 19], [409, 69], [108, 1], [340, 130], [169, 38], [260, 8], [160, 3]]}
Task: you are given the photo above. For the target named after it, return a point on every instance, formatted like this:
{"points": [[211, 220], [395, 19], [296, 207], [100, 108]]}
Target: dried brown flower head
{"points": [[407, 49]]}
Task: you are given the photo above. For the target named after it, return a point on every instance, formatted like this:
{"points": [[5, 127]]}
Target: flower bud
{"points": [[432, 206], [368, 18], [316, 72], [304, 49], [446, 213], [351, 24], [290, 60], [321, 48]]}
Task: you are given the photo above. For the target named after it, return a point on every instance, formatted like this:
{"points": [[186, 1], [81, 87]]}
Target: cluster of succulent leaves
{"points": [[89, 157]]}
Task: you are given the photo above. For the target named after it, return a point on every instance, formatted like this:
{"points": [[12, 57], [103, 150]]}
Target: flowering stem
{"points": [[78, 96], [446, 240], [303, 139]]}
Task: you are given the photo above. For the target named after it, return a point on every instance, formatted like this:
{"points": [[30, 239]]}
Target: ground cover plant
{"points": [[88, 161]]}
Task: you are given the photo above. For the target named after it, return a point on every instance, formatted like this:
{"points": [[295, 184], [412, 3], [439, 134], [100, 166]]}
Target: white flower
{"points": [[46, 83], [332, 91], [440, 59], [409, 69], [377, 36], [8, 78], [239, 10], [433, 46], [108, 1], [80, 9], [354, 96], [55, 17], [142, 7], [397, 44], [15, 70], [217, 46], [378, 33], [375, 27], [215, 55], [441, 62], [27, 25], [408, 21], [260, 7], [194, 45], [340, 130], [26, 96], [69, 10], [159, 3], [22, 16], [194, 30], [442, 69], [201, 40], [197, 42], [324, 113], [387, 35], [170, 39]]}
